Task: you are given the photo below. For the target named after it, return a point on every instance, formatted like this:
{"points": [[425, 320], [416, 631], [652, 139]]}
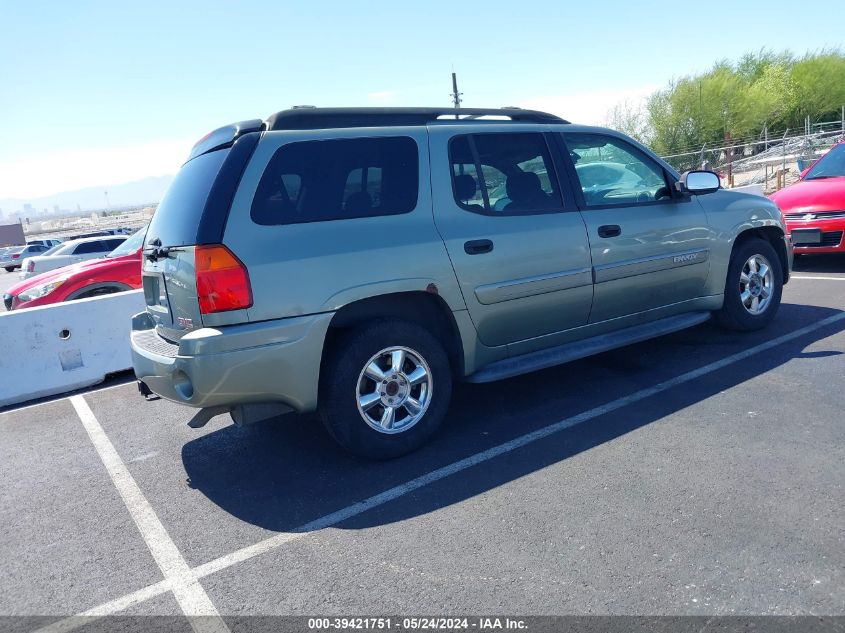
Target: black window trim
{"points": [[551, 148], [575, 182], [346, 217]]}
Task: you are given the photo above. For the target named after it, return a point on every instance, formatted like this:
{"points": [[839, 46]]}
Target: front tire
{"points": [[385, 388], [10, 269], [753, 287]]}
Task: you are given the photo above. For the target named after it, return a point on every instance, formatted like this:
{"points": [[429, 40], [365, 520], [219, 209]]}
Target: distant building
{"points": [[55, 208]]}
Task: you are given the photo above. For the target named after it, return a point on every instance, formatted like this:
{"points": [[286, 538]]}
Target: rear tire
{"points": [[386, 365], [753, 287], [10, 269]]}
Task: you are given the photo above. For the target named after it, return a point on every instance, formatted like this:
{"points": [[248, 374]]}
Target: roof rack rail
{"points": [[300, 118]]}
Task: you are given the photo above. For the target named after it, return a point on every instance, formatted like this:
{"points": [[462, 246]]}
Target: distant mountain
{"points": [[138, 192]]}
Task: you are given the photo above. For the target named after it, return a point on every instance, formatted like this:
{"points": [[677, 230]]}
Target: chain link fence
{"points": [[772, 162]]}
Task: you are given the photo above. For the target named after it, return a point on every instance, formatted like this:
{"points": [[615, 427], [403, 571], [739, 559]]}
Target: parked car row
{"points": [[95, 273], [68, 253]]}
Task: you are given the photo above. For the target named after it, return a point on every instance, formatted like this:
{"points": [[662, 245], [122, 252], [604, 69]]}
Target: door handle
{"points": [[610, 230], [477, 247]]}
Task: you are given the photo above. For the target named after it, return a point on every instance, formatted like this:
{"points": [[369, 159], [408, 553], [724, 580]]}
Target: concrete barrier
{"points": [[52, 349], [756, 190]]}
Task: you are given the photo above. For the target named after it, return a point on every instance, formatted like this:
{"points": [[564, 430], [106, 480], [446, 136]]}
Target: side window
{"points": [[504, 173], [112, 244], [87, 248], [612, 171], [314, 181]]}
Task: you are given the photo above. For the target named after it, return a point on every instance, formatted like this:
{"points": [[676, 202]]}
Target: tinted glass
{"points": [[177, 218], [113, 243], [52, 250], [508, 173], [65, 249], [612, 171], [313, 181], [86, 248], [831, 164], [130, 245]]}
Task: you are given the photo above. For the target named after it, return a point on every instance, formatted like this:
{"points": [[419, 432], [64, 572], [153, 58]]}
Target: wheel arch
{"points": [[426, 309], [103, 285], [771, 234]]}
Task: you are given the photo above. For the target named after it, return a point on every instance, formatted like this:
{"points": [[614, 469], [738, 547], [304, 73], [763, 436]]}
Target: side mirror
{"points": [[698, 182]]}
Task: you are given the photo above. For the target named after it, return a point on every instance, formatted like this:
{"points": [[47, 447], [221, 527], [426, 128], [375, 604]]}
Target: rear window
{"points": [[314, 181], [177, 218]]}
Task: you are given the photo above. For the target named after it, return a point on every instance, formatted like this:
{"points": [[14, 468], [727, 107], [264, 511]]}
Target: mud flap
{"points": [[251, 413]]}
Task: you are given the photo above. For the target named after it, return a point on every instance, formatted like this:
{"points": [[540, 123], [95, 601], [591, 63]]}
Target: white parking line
{"points": [[108, 608], [192, 598], [819, 277], [278, 540]]}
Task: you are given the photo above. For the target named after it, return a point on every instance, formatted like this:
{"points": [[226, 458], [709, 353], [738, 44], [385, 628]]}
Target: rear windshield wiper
{"points": [[159, 251]]}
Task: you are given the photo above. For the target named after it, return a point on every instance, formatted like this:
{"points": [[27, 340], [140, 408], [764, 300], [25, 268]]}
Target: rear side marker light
{"points": [[222, 280]]}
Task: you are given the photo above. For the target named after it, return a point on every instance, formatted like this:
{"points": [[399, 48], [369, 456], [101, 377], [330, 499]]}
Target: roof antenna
{"points": [[456, 96]]}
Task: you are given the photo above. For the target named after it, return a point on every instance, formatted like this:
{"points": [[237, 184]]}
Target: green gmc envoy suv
{"points": [[358, 261]]}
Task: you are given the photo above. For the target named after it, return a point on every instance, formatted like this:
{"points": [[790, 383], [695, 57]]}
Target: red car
{"points": [[118, 271], [814, 207]]}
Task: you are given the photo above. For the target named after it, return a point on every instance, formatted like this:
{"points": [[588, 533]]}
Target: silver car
{"points": [[13, 256]]}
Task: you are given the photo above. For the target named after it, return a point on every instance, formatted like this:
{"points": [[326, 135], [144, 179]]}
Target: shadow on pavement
{"points": [[283, 474], [823, 263]]}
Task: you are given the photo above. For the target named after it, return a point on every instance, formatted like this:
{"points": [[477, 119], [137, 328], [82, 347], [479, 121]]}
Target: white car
{"points": [[70, 253]]}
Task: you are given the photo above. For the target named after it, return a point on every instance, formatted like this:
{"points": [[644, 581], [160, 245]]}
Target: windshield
{"points": [[130, 245], [830, 165], [52, 250], [64, 249]]}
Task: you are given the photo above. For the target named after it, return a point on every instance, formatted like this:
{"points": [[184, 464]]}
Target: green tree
{"points": [[738, 100]]}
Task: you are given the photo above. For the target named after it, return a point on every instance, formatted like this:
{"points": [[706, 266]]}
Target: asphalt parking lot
{"points": [[697, 474], [7, 280]]}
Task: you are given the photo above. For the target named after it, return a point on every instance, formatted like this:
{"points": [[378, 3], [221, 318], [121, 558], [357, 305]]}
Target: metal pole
{"points": [[730, 159], [783, 160]]}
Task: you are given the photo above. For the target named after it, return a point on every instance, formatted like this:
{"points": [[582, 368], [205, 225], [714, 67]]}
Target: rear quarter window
{"points": [[315, 181], [177, 219], [89, 247]]}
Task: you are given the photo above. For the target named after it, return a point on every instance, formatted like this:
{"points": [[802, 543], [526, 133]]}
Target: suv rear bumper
{"points": [[271, 361]]}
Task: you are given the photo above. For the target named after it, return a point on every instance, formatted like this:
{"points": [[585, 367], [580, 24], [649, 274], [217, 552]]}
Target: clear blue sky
{"points": [[105, 75]]}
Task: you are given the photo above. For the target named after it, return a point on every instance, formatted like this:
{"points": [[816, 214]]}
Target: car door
{"points": [[515, 239], [650, 246]]}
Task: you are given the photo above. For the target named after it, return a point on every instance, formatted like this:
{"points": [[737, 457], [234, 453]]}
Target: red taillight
{"points": [[222, 280], [16, 256]]}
